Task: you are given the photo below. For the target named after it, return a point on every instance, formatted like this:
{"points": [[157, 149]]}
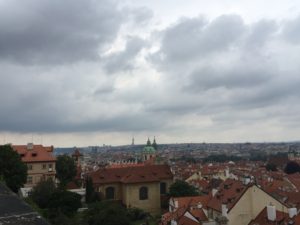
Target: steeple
{"points": [[132, 143], [154, 145], [148, 142]]}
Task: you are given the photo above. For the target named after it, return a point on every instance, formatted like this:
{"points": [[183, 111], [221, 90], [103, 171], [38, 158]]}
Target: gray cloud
{"points": [[124, 60], [56, 70], [195, 37], [291, 31], [57, 32]]}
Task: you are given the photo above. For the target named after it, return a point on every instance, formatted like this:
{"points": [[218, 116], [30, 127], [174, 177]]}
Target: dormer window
{"points": [[33, 154]]}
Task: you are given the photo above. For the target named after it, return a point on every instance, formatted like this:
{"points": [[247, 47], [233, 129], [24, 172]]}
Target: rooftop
{"points": [[14, 211]]}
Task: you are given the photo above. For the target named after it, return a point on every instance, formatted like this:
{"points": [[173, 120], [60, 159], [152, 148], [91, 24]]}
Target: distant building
{"points": [[77, 157], [135, 186], [39, 160]]}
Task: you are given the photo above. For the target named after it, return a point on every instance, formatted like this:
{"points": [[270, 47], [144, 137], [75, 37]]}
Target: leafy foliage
{"points": [[271, 167], [108, 213], [65, 169], [64, 201], [182, 188], [136, 214], [292, 167], [90, 194], [12, 170], [222, 158], [42, 192]]}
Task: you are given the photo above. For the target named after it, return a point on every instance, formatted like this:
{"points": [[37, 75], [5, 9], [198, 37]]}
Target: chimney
{"points": [[292, 212], [271, 212], [224, 210], [214, 192], [29, 146], [176, 203], [227, 172]]}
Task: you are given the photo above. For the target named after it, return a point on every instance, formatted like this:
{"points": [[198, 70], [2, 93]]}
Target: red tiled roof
{"points": [[38, 153], [230, 191], [192, 201], [295, 180], [281, 218], [147, 173]]}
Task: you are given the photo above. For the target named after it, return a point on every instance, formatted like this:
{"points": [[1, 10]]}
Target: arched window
{"points": [[143, 193], [110, 193], [163, 188]]}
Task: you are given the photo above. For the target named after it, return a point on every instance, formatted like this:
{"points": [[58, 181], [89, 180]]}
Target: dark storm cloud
{"points": [[57, 32]]}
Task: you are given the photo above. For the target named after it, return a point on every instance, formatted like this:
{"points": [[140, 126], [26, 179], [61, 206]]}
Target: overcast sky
{"points": [[93, 72]]}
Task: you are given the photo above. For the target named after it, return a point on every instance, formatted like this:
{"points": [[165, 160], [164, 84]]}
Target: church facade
{"points": [[140, 186]]}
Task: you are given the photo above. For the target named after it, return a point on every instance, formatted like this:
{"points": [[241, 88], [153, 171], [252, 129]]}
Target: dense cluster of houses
{"points": [[243, 193]]}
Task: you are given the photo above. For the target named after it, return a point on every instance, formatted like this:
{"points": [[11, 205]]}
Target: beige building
{"points": [[39, 160], [233, 203], [139, 185], [240, 203]]}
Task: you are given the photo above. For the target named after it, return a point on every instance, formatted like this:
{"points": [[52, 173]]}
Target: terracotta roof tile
{"points": [[36, 153], [281, 218], [147, 173]]}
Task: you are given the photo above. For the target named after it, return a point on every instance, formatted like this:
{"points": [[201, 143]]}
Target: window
{"points": [[110, 193], [143, 193], [29, 179], [44, 166], [29, 167], [163, 188]]}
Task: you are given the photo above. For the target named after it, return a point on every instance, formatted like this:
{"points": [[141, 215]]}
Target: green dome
{"points": [[149, 150]]}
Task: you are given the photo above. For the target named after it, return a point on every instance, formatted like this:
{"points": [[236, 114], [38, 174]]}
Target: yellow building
{"points": [[240, 203], [39, 160], [138, 185]]}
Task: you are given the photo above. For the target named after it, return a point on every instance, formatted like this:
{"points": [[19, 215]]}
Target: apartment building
{"points": [[40, 162]]}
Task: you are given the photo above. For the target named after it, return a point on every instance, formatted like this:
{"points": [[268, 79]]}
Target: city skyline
{"points": [[100, 72]]}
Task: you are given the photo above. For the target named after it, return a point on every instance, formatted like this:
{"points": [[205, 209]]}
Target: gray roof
{"points": [[14, 211]]}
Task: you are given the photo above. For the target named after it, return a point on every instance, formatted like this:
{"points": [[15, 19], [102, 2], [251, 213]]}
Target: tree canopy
{"points": [[292, 167], [65, 169], [42, 192], [90, 194], [12, 170], [64, 201], [271, 167], [108, 213], [181, 188]]}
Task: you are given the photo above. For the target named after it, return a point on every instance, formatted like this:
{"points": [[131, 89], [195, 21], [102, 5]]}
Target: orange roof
{"points": [[281, 218], [147, 173], [35, 153], [229, 193], [192, 201]]}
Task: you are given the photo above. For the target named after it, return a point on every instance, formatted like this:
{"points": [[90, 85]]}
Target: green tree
{"points": [[292, 167], [108, 213], [181, 188], [12, 170], [65, 202], [42, 192], [90, 194], [65, 170], [271, 167]]}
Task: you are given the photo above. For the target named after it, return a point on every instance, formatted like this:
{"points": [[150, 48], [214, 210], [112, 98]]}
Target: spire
{"points": [[154, 145], [148, 142], [132, 143]]}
